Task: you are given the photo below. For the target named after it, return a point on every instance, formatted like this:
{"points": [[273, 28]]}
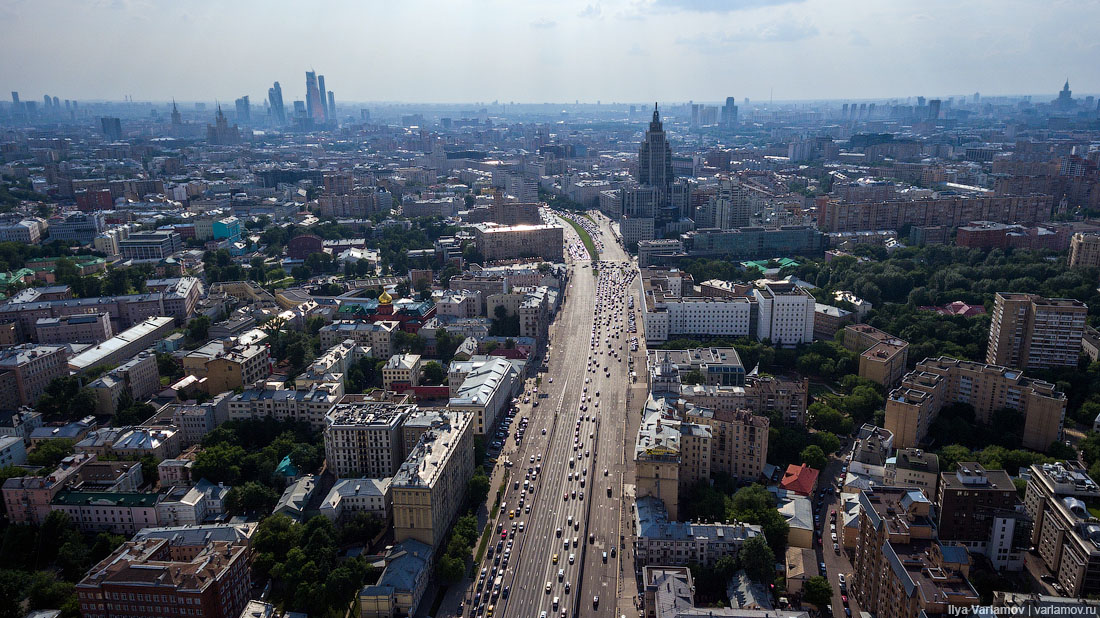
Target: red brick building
{"points": [[160, 577]]}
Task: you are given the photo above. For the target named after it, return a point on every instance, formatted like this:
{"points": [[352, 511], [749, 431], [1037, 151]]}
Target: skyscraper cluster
{"points": [[320, 104], [275, 100]]}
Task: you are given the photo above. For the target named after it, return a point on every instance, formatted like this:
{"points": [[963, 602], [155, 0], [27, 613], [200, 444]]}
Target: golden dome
{"points": [[385, 298]]}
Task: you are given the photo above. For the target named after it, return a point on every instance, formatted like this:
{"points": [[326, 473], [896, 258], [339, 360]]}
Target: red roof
{"points": [[799, 479]]}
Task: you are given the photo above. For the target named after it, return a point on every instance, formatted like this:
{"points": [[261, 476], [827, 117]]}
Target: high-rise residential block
{"points": [[980, 509], [429, 489], [901, 569], [363, 439], [936, 382], [1084, 250], [1059, 499], [1031, 332]]}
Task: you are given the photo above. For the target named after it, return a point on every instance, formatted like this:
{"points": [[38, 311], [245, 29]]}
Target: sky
{"points": [[532, 51]]}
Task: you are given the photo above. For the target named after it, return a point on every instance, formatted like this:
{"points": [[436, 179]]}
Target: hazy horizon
{"points": [[476, 52]]}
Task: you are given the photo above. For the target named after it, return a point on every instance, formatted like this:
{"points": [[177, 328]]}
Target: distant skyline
{"points": [[469, 51]]}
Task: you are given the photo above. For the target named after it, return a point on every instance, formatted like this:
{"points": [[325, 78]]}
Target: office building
{"points": [[244, 110], [149, 245], [659, 540], [500, 242], [26, 371], [1028, 331], [714, 366], [786, 314], [78, 328], [107, 511], [112, 128], [275, 100], [882, 357], [753, 242], [429, 489], [980, 510], [170, 575], [1064, 530], [667, 314], [78, 226], [23, 232], [363, 439]]}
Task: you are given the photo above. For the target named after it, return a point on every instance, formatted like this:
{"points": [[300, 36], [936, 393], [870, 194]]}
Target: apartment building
{"points": [[195, 420], [227, 365], [504, 242], [738, 444], [184, 572], [486, 392], [402, 369], [914, 467], [1084, 250], [429, 489], [138, 377], [13, 452], [936, 382], [763, 395], [365, 495], [786, 314], [309, 405], [901, 570], [26, 371], [1060, 499], [670, 593], [657, 458], [1028, 331], [78, 328], [22, 232], [459, 304], [980, 510], [375, 336], [882, 357], [949, 211], [363, 439], [20, 423], [660, 540], [123, 346]]}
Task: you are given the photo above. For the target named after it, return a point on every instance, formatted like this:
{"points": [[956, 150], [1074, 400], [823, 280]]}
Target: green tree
{"points": [[219, 463], [49, 453], [758, 559], [198, 329], [817, 591], [451, 569], [306, 457], [814, 457], [694, 377], [432, 373], [251, 497], [478, 487]]}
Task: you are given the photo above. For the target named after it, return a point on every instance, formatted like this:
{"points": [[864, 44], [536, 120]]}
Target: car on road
{"points": [[547, 592], [555, 559], [572, 558], [595, 601]]}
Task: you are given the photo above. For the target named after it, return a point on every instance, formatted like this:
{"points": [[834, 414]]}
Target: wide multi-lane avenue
{"points": [[567, 474]]}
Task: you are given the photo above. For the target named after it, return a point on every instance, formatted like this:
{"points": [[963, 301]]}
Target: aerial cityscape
{"points": [[419, 326]]}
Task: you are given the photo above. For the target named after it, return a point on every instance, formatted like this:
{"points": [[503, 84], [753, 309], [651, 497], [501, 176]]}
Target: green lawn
{"points": [[585, 238]]}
